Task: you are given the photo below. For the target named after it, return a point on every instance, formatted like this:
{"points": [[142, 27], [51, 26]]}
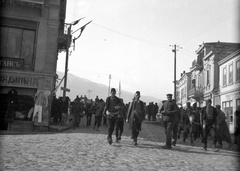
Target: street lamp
{"points": [[67, 51]]}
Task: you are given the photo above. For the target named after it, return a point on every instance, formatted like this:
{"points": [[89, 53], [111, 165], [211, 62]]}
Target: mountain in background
{"points": [[81, 86]]}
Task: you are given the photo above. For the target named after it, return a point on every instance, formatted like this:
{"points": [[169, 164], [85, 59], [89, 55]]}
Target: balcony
{"points": [[196, 92]]}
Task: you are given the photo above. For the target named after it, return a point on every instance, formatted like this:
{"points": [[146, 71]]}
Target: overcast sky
{"points": [[130, 39]]}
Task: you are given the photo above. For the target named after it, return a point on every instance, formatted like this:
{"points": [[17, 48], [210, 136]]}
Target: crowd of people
{"points": [[205, 123]]}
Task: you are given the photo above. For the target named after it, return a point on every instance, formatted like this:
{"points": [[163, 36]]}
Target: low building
{"points": [[183, 86], [229, 74]]}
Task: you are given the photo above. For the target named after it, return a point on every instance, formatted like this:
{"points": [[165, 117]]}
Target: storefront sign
{"points": [[232, 96], [11, 63], [24, 81]]}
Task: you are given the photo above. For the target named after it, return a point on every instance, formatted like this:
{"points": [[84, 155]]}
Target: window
{"points": [[18, 41], [238, 70], [183, 93], [227, 107], [230, 74], [193, 83], [238, 102], [208, 77], [224, 77]]}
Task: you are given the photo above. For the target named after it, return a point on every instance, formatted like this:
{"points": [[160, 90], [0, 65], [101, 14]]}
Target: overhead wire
{"points": [[163, 45], [213, 24]]}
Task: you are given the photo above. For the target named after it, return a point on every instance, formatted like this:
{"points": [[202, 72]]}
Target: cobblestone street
{"points": [[87, 149]]}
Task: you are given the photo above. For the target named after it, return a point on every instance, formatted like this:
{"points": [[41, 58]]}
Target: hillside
{"points": [[80, 86]]}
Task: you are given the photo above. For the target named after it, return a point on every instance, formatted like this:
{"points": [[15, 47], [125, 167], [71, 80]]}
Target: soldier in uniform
{"points": [[169, 110]]}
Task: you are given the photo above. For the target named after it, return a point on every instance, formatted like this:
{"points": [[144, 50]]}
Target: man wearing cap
{"points": [[111, 110], [208, 121], [169, 110], [135, 116]]}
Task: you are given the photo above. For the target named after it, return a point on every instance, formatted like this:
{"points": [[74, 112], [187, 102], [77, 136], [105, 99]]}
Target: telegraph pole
{"points": [[89, 92], [109, 84], [175, 87], [175, 69]]}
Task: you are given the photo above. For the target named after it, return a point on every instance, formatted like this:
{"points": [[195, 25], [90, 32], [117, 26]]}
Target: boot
{"points": [[215, 149]]}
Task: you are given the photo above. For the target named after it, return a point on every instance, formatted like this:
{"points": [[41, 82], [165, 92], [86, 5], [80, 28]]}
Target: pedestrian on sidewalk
{"points": [[169, 110], [135, 116], [121, 117], [222, 129], [111, 110], [208, 120]]}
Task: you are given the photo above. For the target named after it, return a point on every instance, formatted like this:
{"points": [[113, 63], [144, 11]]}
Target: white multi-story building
{"points": [[183, 86], [229, 74], [211, 54]]}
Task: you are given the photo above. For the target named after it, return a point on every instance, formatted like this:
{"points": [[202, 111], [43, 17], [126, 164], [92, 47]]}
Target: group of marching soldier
{"points": [[194, 122]]}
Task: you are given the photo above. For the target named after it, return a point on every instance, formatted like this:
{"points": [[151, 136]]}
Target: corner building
{"points": [[30, 31], [229, 74]]}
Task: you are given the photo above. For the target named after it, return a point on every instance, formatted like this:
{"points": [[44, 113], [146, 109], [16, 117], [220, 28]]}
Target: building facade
{"points": [[211, 54], [196, 91], [229, 74], [30, 31], [183, 86]]}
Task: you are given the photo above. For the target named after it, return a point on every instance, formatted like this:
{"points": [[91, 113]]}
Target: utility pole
{"points": [[175, 69], [175, 87], [109, 84], [89, 92]]}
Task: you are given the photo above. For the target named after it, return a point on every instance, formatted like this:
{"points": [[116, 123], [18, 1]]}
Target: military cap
{"points": [[169, 95]]}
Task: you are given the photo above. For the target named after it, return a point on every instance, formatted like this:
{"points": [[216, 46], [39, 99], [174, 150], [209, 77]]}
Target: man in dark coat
{"points": [[169, 110], [209, 120], [111, 110], [135, 116]]}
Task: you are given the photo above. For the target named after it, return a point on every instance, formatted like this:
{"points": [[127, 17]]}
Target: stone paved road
{"points": [[89, 151]]}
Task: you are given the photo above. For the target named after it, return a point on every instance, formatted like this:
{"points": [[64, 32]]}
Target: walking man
{"points": [[111, 110], [135, 116], [209, 120], [169, 110], [120, 121]]}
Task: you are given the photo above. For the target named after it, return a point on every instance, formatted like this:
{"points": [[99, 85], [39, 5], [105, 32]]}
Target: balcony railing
{"points": [[196, 91]]}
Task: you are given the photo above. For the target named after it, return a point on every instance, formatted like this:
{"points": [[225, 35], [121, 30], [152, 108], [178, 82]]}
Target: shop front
{"points": [[25, 100], [230, 101]]}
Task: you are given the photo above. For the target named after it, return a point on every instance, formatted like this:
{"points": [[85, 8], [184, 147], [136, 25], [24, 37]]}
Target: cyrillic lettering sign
{"points": [[11, 63]]}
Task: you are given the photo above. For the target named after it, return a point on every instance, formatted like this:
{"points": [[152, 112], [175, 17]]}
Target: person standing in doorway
{"points": [[222, 130], [111, 110], [169, 110], [135, 116]]}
